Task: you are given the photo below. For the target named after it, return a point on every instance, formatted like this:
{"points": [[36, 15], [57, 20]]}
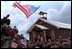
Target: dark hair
{"points": [[14, 26], [7, 15]]}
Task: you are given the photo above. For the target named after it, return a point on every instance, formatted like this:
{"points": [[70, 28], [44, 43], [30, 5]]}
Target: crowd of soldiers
{"points": [[51, 43], [9, 36], [12, 34]]}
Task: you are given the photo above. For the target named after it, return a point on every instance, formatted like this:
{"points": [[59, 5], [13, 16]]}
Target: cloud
{"points": [[53, 14], [63, 15]]}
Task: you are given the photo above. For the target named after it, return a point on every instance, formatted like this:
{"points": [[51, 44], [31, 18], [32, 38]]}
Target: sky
{"points": [[57, 11]]}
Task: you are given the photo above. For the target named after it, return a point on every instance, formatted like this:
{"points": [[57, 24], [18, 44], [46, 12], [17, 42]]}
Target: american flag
{"points": [[28, 10]]}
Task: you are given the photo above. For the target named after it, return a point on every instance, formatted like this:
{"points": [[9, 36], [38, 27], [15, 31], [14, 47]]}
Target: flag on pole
{"points": [[28, 10]]}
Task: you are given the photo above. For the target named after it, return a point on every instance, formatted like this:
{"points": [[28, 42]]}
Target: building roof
{"points": [[54, 23], [40, 26], [58, 24]]}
